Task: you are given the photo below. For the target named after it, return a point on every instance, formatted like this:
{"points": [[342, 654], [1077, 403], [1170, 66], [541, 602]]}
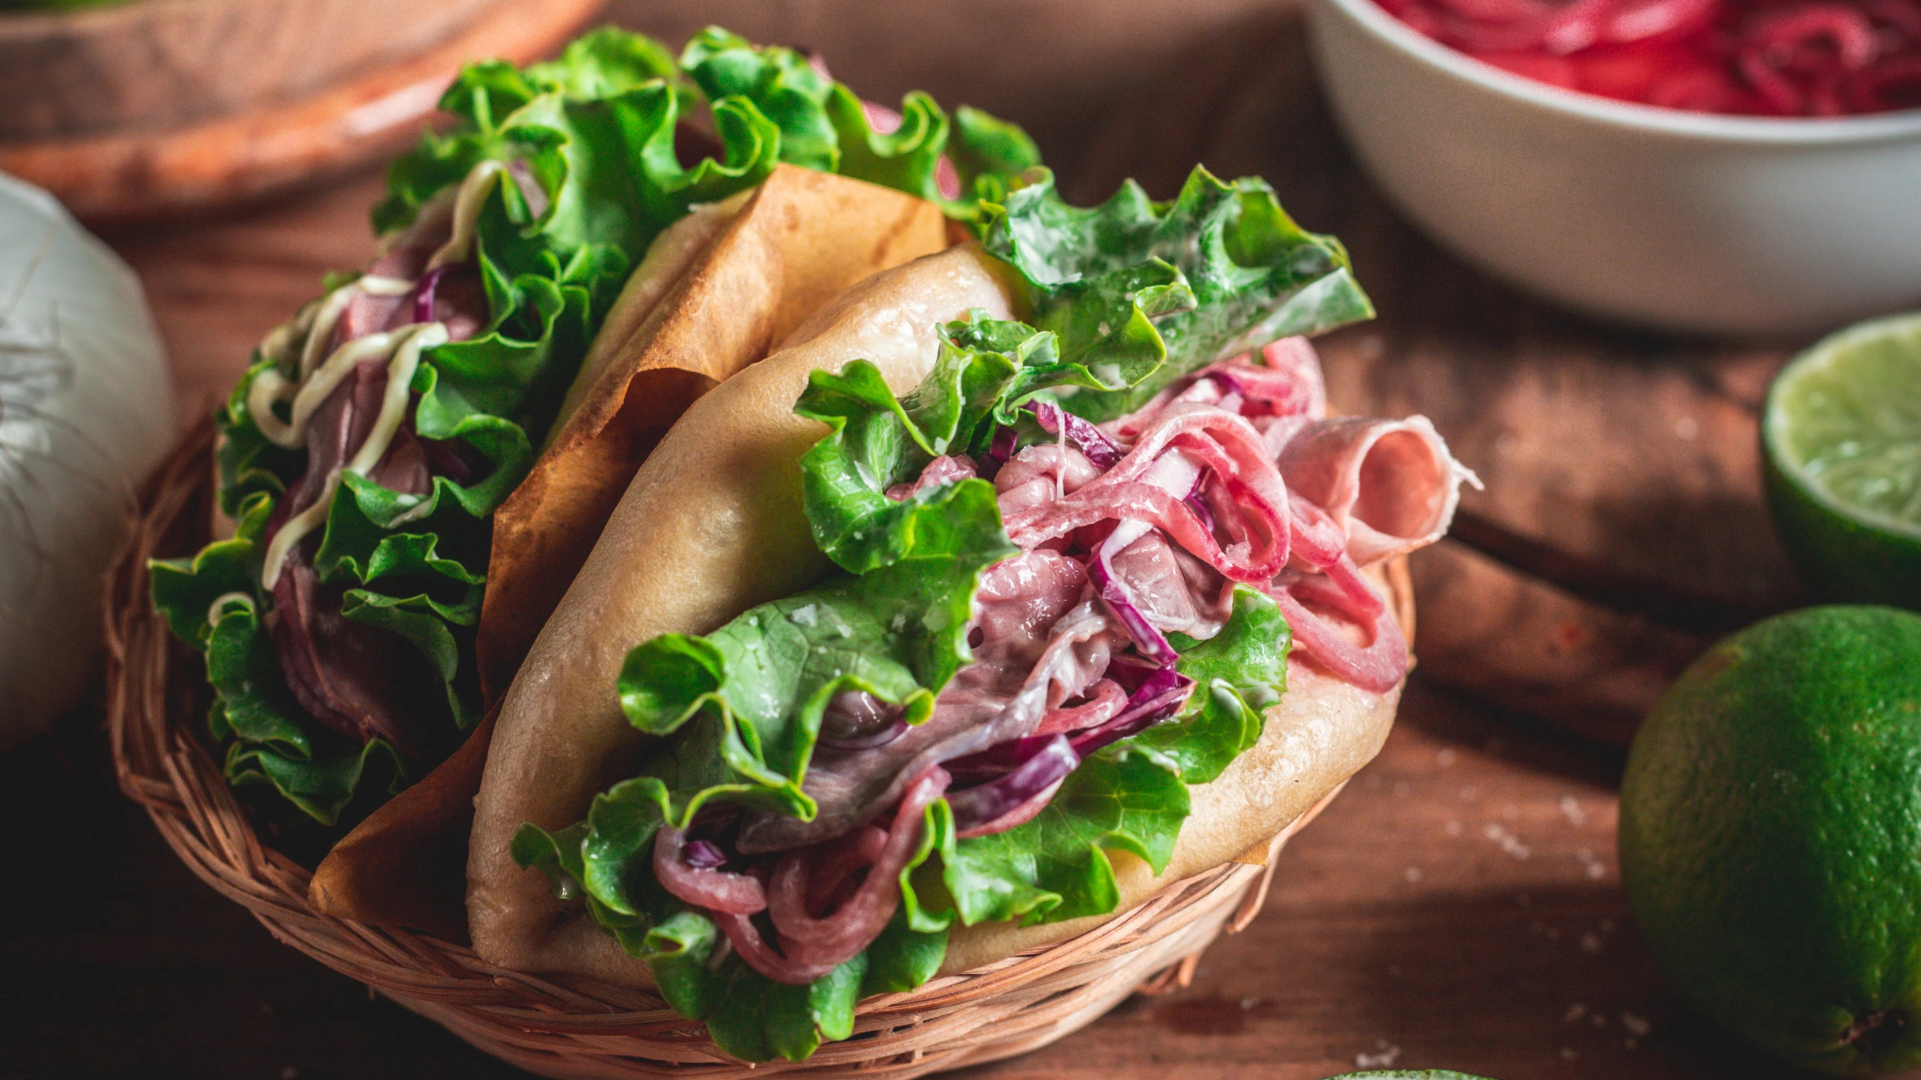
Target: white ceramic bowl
{"points": [[1681, 220]]}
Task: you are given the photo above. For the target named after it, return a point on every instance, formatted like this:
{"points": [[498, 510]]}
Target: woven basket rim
{"points": [[576, 1026]]}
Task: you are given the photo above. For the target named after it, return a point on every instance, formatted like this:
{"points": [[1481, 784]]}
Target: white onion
{"points": [[86, 411]]}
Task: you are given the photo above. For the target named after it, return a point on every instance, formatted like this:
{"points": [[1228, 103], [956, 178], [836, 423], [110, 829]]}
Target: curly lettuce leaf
{"points": [[1055, 867], [739, 710], [1125, 298], [745, 701], [1128, 798], [209, 601], [824, 125], [594, 130], [1238, 673], [1250, 274], [984, 370], [604, 859]]}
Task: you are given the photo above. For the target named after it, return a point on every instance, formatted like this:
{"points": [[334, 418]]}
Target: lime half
{"points": [[1842, 443]]}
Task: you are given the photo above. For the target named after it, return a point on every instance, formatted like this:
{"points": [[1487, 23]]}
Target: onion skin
{"points": [[86, 412]]}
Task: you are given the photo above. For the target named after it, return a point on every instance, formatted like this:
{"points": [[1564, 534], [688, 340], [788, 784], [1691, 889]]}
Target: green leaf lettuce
{"points": [[594, 130]]}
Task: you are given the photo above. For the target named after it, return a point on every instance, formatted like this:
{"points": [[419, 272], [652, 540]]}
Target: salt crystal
{"points": [[1412, 873], [1446, 757], [1387, 1055], [1509, 842], [1571, 809], [1636, 1026], [1590, 943], [1574, 1012]]}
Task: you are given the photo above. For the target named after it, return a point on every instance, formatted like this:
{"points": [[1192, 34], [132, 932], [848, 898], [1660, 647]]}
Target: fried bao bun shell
{"points": [[711, 526], [717, 291]]}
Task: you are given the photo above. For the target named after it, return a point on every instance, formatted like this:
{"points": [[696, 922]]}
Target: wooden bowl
{"points": [[153, 106], [157, 64]]}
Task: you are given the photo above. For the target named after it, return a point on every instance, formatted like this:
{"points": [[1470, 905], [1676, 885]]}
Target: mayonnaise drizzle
{"points": [[270, 386], [316, 380], [320, 329], [406, 345], [467, 205], [219, 606], [380, 285], [393, 405]]}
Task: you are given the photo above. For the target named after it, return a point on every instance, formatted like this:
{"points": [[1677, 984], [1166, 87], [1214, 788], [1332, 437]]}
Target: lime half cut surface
{"points": [[1842, 442]]}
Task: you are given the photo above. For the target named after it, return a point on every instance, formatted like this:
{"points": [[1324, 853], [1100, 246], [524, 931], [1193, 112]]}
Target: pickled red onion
{"points": [[1822, 58]]}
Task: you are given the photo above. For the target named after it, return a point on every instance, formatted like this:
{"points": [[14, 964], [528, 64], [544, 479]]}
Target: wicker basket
{"points": [[565, 1027]]}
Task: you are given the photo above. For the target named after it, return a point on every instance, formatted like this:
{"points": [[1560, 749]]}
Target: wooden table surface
{"points": [[1457, 907]]}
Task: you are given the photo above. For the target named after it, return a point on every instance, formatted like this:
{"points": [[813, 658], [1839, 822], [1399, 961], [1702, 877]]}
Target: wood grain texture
{"points": [[143, 171], [164, 63]]}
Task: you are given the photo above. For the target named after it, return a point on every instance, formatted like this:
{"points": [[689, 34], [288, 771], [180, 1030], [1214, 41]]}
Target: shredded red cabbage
{"points": [[714, 889], [1159, 698], [704, 855], [1002, 448], [989, 802], [424, 295], [1150, 641], [1104, 452], [1014, 818]]}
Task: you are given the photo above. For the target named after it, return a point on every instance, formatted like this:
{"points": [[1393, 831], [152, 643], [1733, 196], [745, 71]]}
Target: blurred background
{"points": [[1459, 907]]}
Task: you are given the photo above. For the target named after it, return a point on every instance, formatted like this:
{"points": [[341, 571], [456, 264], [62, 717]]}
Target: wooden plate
{"points": [[130, 160]]}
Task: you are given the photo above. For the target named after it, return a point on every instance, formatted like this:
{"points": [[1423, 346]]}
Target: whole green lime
{"points": [[1771, 836]]}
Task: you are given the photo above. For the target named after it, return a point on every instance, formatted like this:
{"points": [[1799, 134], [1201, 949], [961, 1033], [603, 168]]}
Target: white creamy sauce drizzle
{"points": [[270, 387], [316, 379], [377, 285], [321, 329], [219, 606], [473, 195], [406, 345]]}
